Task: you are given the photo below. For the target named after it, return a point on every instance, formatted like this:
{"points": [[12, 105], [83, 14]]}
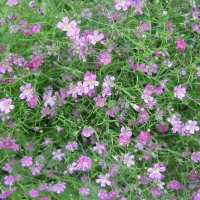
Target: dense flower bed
{"points": [[100, 99]]}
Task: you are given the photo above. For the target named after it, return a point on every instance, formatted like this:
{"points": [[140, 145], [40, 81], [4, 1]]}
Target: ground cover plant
{"points": [[100, 99]]}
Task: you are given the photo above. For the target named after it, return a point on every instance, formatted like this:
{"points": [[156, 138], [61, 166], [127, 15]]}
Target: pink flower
{"points": [[102, 194], [27, 92], [49, 99], [65, 25], [27, 161], [195, 157], [34, 192], [44, 198], [192, 126], [32, 4], [90, 80], [84, 191], [33, 101], [154, 173], [174, 185], [71, 146], [7, 193], [100, 148], [122, 4], [5, 66], [95, 37], [5, 105], [84, 163], [72, 167], [113, 194], [125, 131], [108, 81], [144, 136], [100, 101], [9, 180], [197, 195], [87, 131], [12, 2], [105, 58], [58, 155], [128, 159], [82, 88], [124, 140], [59, 187], [179, 91], [180, 44], [103, 179], [193, 175]]}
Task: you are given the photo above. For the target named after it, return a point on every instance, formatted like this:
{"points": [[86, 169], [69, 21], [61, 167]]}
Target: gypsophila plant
{"points": [[99, 100]]}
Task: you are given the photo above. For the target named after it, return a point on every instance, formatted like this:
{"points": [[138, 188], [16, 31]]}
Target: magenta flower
{"points": [[59, 187], [5, 105], [26, 161], [105, 58], [34, 192], [84, 191], [144, 136], [180, 44], [124, 140], [58, 155], [36, 61], [103, 179], [179, 91], [193, 175], [87, 131], [100, 101], [191, 126], [65, 25], [84, 163]]}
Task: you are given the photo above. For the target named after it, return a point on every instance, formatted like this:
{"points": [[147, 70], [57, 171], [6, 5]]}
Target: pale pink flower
{"points": [[179, 91]]}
